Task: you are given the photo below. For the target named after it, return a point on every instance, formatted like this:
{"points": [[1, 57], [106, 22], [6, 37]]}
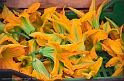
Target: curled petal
{"points": [[33, 7], [7, 39], [93, 53], [83, 65], [100, 35], [113, 47], [8, 52], [112, 62], [25, 61], [12, 50], [95, 68]]}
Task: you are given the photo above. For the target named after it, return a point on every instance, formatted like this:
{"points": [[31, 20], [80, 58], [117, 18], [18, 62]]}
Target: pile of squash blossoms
{"points": [[49, 46]]}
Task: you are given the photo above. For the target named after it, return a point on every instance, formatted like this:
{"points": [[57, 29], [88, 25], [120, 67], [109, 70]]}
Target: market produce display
{"points": [[50, 46]]}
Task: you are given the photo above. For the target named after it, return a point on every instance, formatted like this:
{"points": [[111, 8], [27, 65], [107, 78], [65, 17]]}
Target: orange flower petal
{"points": [[33, 7], [93, 53], [7, 39], [112, 62]]}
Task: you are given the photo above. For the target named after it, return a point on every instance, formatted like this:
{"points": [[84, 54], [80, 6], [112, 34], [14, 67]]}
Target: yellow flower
{"points": [[7, 39], [118, 64], [75, 31], [25, 64], [22, 20], [92, 42], [36, 21], [25, 61], [7, 52], [94, 21], [42, 38], [62, 53], [12, 21], [47, 13], [90, 71], [6, 12], [97, 35], [113, 47], [86, 69], [100, 35]]}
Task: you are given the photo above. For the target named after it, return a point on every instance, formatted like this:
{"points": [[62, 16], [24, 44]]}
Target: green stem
{"points": [[2, 27], [28, 25], [26, 36], [25, 27], [34, 45], [34, 53]]}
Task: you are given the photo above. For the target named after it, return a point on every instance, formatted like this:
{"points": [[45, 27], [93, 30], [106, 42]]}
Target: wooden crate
{"points": [[51, 3]]}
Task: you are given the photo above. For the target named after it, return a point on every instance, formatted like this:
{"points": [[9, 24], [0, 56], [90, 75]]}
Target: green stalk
{"points": [[28, 25], [2, 27], [26, 36], [24, 29], [34, 45], [98, 47], [112, 23], [33, 53]]}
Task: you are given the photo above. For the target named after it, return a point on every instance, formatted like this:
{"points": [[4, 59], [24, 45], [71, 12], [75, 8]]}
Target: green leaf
{"points": [[93, 24], [56, 39], [26, 36], [1, 27], [99, 11], [39, 67], [98, 46], [47, 51], [29, 27], [15, 35], [116, 66], [106, 26], [112, 23], [49, 25]]}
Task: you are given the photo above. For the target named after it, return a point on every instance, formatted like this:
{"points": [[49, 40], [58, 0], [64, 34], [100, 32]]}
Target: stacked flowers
{"points": [[50, 46]]}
